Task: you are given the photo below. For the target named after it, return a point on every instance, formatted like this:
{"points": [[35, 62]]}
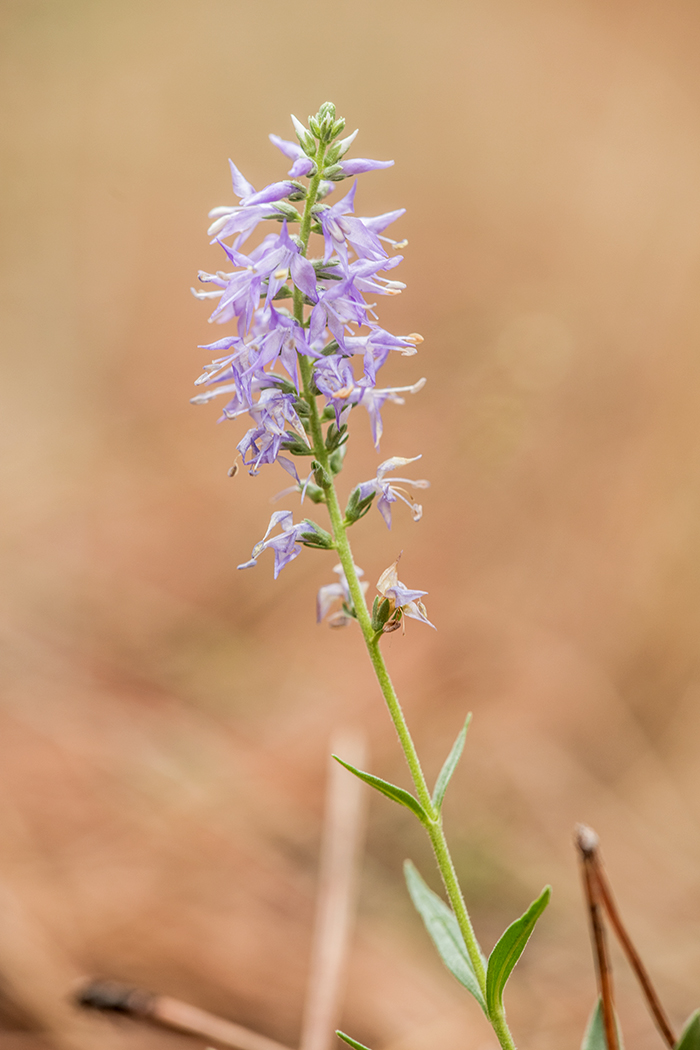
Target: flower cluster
{"points": [[307, 346]]}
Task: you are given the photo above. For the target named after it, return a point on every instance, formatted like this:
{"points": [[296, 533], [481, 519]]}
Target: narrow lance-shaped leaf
{"points": [[397, 794], [350, 1041], [594, 1036], [450, 766], [508, 950], [690, 1036], [443, 929]]}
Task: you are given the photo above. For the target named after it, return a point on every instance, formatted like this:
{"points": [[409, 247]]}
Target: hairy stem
{"points": [[371, 638]]}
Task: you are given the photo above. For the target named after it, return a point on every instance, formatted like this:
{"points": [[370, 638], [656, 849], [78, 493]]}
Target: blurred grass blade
{"points": [[404, 798], [450, 766], [508, 950], [690, 1036], [594, 1036], [350, 1041], [444, 931]]}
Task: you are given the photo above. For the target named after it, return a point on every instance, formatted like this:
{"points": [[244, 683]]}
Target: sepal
{"points": [[306, 140], [315, 536], [334, 173], [314, 493], [336, 437], [296, 446], [336, 459], [356, 507], [381, 611]]}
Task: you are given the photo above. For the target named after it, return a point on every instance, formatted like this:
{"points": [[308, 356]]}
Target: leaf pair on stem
{"points": [[440, 921]]}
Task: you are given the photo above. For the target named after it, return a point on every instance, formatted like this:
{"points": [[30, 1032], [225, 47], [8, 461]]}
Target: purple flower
{"points": [[360, 164], [285, 339], [341, 228], [274, 415], [284, 545], [364, 276], [272, 261], [241, 221], [377, 345], [362, 393], [388, 490], [287, 544], [337, 307], [252, 209], [374, 399], [334, 592], [303, 165], [274, 192], [408, 601], [242, 395]]}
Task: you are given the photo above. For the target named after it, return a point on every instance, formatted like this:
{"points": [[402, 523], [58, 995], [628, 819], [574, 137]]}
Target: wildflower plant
{"points": [[307, 350]]}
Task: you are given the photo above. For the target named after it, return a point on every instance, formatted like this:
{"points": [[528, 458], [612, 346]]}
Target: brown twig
{"points": [[171, 1013], [657, 1011], [342, 834], [587, 841], [341, 844]]}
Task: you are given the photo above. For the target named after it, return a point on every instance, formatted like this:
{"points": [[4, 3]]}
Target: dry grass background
{"points": [[165, 720]]}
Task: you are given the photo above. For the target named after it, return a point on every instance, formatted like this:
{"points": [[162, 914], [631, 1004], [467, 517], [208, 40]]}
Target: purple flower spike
{"points": [[256, 368]]}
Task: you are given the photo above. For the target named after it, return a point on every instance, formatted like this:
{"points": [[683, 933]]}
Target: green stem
{"points": [[342, 543]]}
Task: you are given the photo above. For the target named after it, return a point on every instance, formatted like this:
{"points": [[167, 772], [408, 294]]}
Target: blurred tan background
{"points": [[165, 720]]}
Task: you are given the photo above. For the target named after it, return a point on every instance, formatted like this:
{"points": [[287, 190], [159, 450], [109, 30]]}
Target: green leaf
{"points": [[690, 1036], [350, 1041], [450, 766], [443, 929], [405, 798], [594, 1036], [508, 950]]}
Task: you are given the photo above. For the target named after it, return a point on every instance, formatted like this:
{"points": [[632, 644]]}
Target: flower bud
{"points": [[335, 461], [306, 140], [326, 112], [320, 475]]}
